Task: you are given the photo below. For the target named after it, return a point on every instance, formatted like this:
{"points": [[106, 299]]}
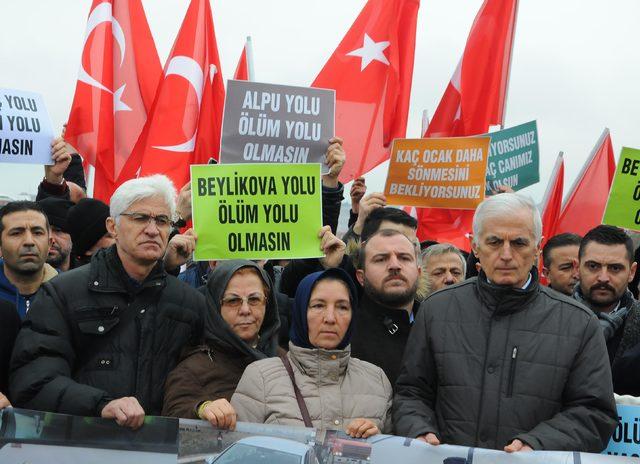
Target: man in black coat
{"points": [[101, 339], [388, 269], [9, 326], [499, 361], [606, 267]]}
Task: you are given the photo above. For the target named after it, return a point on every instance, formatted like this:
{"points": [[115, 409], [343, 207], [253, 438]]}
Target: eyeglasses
{"points": [[236, 301], [142, 219]]}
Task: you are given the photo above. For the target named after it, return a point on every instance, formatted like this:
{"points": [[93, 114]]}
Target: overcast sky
{"points": [[576, 64]]}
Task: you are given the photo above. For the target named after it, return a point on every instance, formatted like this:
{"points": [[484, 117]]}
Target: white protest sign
{"points": [[25, 128]]}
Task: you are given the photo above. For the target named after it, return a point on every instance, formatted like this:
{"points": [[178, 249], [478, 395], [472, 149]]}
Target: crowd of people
{"points": [[103, 313]]}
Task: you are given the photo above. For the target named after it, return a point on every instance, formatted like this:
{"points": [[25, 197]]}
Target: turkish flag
{"points": [[118, 77], [242, 70], [587, 199], [184, 124], [472, 102], [371, 72], [552, 202]]}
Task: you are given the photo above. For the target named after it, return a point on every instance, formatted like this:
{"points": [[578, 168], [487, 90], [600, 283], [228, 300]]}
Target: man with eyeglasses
{"points": [[101, 339]]}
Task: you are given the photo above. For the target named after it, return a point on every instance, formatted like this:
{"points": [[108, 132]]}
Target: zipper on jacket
{"points": [[512, 371]]}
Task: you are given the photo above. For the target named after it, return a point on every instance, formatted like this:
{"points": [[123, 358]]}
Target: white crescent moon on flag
{"points": [[102, 14], [189, 69]]}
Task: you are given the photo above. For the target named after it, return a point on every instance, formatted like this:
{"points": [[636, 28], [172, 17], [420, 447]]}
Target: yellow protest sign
{"points": [[438, 173]]}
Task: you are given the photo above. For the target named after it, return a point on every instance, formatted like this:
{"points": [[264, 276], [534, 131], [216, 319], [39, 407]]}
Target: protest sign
{"points": [[25, 128], [514, 157], [623, 206], [437, 173], [256, 211], [268, 123], [626, 438]]}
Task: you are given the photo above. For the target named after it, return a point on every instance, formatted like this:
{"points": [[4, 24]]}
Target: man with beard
{"points": [[389, 269], [24, 243], [606, 268], [56, 210]]}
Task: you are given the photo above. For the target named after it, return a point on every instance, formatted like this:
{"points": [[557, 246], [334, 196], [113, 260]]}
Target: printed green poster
{"points": [[256, 211], [514, 157], [623, 206]]}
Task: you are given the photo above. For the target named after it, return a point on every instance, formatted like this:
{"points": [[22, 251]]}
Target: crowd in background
{"points": [[104, 313]]}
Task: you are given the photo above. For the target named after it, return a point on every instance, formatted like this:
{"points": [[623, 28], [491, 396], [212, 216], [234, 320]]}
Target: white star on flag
{"points": [[370, 51]]}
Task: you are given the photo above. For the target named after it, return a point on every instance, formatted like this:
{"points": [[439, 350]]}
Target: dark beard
{"points": [[394, 300], [59, 259], [601, 305], [57, 262]]}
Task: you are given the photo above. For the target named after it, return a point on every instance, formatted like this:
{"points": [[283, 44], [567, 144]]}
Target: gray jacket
{"points": [[336, 388], [486, 364]]}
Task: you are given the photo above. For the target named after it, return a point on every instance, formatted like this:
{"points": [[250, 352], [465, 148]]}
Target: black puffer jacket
{"points": [[485, 364], [93, 335], [9, 326], [380, 335]]}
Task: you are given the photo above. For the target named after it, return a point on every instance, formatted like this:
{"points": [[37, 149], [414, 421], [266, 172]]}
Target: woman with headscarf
{"points": [[241, 327], [318, 384]]}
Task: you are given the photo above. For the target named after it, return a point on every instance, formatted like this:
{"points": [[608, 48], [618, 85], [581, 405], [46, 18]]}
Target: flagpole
{"points": [[425, 122], [577, 180], [506, 92], [249, 46]]}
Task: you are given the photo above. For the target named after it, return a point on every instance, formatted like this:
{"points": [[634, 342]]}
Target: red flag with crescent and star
{"points": [[117, 81], [473, 101], [184, 125], [371, 72]]}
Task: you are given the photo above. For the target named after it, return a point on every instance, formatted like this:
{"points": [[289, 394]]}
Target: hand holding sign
{"points": [[61, 158], [368, 204], [335, 161], [332, 247], [180, 249], [183, 203], [358, 189]]}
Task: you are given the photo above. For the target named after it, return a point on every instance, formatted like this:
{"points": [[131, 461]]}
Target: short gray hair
{"points": [[138, 189], [440, 249], [505, 204]]}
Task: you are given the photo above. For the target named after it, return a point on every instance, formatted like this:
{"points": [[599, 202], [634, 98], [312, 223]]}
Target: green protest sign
{"points": [[256, 211], [514, 157], [623, 206]]}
